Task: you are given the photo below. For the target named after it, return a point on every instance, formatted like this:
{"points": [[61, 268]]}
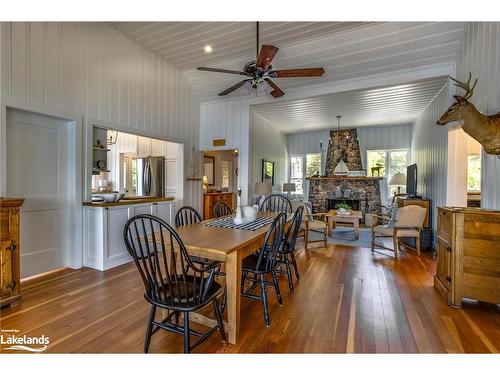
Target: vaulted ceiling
{"points": [[347, 50], [377, 106]]}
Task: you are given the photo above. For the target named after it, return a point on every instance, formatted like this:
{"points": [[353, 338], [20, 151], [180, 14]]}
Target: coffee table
{"points": [[354, 219]]}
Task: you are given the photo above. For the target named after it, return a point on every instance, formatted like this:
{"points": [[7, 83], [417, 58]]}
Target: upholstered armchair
{"points": [[407, 222], [316, 223]]}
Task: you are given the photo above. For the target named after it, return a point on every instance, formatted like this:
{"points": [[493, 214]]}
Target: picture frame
{"points": [[268, 171], [209, 169]]}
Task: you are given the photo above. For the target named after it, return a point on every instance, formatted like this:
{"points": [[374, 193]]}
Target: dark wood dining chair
{"points": [[276, 203], [222, 209], [256, 266], [187, 215], [171, 280], [287, 251]]}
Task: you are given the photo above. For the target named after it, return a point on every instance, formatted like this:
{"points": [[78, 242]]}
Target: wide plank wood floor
{"points": [[348, 300]]}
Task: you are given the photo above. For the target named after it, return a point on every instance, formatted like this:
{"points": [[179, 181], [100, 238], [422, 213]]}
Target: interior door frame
{"points": [[73, 257]]}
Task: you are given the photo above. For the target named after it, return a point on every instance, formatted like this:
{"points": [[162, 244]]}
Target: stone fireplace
{"points": [[360, 192]]}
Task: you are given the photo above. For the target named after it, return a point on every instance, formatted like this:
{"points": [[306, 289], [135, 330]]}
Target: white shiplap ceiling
{"points": [[347, 50], [181, 43], [378, 106]]}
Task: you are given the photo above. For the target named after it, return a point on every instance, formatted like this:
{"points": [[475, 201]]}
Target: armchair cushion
{"points": [[385, 230]]}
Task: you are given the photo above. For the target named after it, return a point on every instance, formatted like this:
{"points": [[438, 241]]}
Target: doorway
{"points": [[464, 170], [40, 164]]}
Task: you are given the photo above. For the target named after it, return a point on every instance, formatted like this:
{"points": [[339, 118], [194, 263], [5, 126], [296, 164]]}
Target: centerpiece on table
{"points": [[245, 214], [343, 209]]}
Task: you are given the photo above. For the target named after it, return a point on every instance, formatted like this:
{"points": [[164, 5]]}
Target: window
{"points": [[390, 163], [474, 172], [302, 166]]}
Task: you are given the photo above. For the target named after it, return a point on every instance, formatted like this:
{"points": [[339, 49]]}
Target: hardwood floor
{"points": [[348, 300]]}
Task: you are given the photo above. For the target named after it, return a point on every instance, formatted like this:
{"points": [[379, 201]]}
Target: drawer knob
{"points": [[11, 247], [448, 278]]}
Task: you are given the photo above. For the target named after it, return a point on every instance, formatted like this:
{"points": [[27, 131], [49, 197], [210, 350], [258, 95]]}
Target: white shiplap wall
{"points": [[228, 120], [266, 142], [480, 54], [430, 152], [90, 69]]}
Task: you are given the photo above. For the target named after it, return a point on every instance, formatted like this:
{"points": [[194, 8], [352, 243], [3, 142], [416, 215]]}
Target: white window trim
{"points": [[304, 169], [387, 166]]}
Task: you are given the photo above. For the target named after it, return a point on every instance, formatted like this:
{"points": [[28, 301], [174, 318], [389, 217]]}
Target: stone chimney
{"points": [[344, 146]]}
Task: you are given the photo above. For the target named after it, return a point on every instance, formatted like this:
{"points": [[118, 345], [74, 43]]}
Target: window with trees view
{"points": [[390, 162], [474, 172], [302, 166]]}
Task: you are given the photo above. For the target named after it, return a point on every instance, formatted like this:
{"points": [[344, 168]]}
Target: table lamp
{"points": [[205, 183], [263, 189], [398, 179], [288, 187]]}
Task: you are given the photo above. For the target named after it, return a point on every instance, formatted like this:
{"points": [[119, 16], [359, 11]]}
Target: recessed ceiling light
{"points": [[208, 49]]}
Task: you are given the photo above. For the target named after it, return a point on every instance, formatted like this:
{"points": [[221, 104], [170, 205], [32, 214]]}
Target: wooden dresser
{"points": [[468, 263], [210, 199], [10, 288]]}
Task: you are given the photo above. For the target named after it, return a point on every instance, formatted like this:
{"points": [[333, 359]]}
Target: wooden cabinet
{"points": [[468, 260], [210, 199], [150, 147], [10, 287]]}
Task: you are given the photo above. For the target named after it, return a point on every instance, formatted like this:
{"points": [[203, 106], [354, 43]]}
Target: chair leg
{"points": [[288, 272], [218, 316], [325, 236], [149, 329], [277, 287], [224, 300], [373, 240], [243, 278], [306, 238], [264, 300], [396, 246], [187, 348], [417, 241], [296, 268]]}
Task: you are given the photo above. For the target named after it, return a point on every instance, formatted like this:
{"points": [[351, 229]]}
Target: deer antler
{"points": [[466, 86]]}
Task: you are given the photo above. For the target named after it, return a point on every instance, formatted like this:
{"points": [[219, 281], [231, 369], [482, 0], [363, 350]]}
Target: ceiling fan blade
{"points": [[232, 88], [222, 71], [266, 56], [307, 72], [277, 92]]}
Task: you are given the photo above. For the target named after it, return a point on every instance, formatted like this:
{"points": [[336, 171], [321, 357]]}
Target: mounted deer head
{"points": [[484, 129]]}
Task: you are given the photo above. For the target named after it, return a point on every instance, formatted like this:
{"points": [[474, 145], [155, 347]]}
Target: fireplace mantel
{"points": [[344, 178]]}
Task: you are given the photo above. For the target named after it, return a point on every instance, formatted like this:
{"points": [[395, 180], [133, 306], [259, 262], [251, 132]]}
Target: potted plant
{"points": [[343, 208]]}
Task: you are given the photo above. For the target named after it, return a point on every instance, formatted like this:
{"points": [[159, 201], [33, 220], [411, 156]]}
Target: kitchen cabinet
{"points": [[150, 147], [10, 286], [104, 247], [468, 255]]}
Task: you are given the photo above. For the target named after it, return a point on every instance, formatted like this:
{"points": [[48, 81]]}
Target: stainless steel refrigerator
{"points": [[150, 176]]}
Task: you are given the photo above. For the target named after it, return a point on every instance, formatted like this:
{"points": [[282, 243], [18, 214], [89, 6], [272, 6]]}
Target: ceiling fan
{"points": [[261, 70]]}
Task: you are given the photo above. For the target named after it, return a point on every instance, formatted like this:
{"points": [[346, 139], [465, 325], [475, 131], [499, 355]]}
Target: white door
{"points": [[39, 160]]}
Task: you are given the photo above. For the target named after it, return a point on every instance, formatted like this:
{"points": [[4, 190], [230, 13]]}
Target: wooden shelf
{"points": [[100, 149]]}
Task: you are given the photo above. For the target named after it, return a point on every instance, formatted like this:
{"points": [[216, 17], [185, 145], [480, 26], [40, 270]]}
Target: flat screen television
{"points": [[411, 180]]}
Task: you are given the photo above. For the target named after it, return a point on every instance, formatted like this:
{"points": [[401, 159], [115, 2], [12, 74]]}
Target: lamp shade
{"points": [[288, 187], [398, 179], [263, 188], [205, 180]]}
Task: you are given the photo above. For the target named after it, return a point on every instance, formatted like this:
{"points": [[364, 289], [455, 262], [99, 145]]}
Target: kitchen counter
{"points": [[128, 201], [103, 245]]}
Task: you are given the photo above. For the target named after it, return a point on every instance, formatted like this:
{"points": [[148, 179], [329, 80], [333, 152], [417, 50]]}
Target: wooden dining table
{"points": [[230, 246]]}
